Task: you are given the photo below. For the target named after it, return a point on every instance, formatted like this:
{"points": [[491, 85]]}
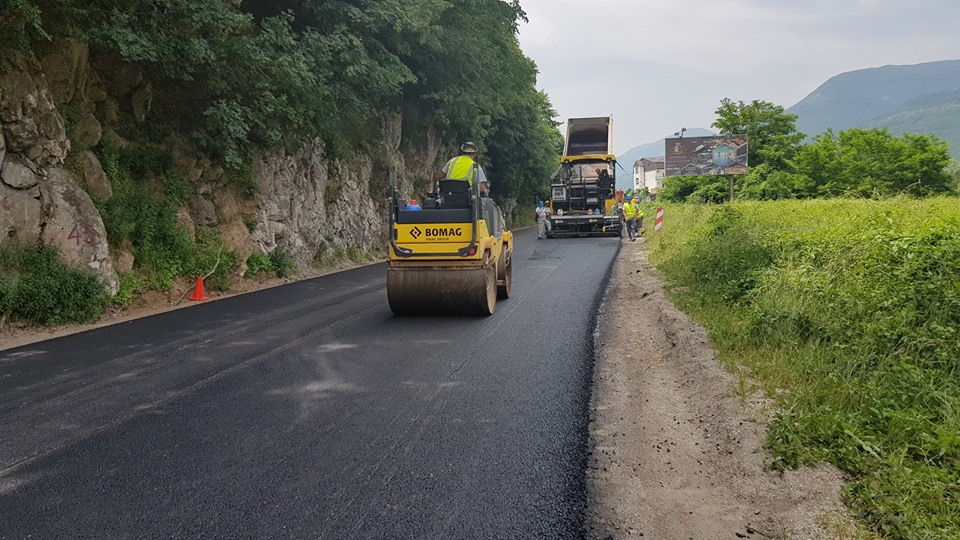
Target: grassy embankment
{"points": [[848, 311]]}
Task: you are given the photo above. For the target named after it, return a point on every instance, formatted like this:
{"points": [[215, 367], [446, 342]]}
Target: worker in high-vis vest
{"points": [[461, 168], [634, 216]]}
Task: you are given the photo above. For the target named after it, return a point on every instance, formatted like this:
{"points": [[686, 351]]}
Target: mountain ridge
{"points": [[918, 98]]}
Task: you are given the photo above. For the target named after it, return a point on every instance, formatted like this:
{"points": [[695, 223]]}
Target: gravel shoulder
{"points": [[675, 453]]}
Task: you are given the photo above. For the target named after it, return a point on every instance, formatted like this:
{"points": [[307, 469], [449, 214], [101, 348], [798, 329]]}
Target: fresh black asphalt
{"points": [[311, 411]]}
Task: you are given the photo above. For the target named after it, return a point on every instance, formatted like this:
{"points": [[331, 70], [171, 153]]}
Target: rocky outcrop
{"points": [[73, 225], [40, 200], [298, 201], [214, 203], [19, 203], [85, 132], [66, 65], [29, 119], [309, 206], [53, 209], [92, 176]]}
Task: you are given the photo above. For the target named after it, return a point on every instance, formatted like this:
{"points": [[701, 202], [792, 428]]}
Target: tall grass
{"points": [[36, 287], [852, 307]]}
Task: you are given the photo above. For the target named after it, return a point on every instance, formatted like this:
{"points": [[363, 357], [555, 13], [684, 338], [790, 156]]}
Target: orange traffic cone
{"points": [[198, 294]]}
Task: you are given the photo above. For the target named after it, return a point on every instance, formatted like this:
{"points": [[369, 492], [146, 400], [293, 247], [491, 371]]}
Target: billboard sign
{"points": [[705, 156]]}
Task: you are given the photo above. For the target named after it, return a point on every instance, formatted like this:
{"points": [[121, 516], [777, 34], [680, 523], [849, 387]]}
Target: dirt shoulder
{"points": [[675, 453]]}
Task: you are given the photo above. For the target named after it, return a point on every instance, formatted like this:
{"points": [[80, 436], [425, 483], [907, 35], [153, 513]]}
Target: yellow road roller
{"points": [[452, 256]]}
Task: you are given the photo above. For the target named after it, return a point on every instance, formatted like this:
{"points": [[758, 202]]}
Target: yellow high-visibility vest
{"points": [[460, 168]]}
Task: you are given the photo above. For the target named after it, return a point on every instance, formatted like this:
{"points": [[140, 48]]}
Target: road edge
{"points": [[658, 387]]}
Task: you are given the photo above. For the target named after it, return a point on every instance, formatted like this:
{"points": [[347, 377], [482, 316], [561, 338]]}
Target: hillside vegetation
{"points": [[830, 283], [258, 74], [935, 113], [848, 313], [904, 99], [236, 78]]}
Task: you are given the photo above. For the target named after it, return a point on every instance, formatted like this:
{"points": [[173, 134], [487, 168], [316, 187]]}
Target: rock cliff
{"points": [[58, 105], [41, 200]]}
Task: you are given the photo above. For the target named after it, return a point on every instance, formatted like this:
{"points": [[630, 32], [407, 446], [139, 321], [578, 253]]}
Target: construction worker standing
{"points": [[634, 216], [543, 220], [461, 168]]}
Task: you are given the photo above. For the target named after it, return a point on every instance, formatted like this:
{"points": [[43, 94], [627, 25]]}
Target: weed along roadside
{"points": [[846, 313]]}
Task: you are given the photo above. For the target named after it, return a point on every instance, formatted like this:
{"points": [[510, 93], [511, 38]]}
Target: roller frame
{"points": [[442, 282]]}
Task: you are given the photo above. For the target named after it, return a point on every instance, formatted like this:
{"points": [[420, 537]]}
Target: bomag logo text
{"points": [[443, 231]]}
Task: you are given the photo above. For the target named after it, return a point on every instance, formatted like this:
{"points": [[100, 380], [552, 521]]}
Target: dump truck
{"points": [[582, 197], [453, 256]]}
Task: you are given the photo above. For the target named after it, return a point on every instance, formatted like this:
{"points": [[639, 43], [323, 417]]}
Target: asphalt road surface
{"points": [[311, 411]]}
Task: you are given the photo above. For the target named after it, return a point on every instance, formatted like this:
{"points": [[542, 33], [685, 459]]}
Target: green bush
{"points": [[281, 263], [853, 306], [277, 262], [22, 19], [204, 257], [142, 216], [131, 284], [141, 161], [36, 287], [8, 290], [176, 189], [728, 257], [258, 263], [136, 218]]}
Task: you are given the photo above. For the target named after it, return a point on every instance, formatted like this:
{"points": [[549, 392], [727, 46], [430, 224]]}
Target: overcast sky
{"points": [[659, 65]]}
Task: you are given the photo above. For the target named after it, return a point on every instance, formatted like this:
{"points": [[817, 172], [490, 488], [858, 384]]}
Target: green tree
{"points": [[461, 76], [773, 134], [21, 22], [773, 142], [462, 73], [698, 189], [872, 162], [524, 147], [766, 183], [243, 75]]}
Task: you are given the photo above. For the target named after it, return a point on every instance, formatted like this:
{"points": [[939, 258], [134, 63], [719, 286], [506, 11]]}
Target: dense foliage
{"points": [[276, 262], [241, 76], [141, 216], [849, 312], [260, 73], [868, 162], [854, 163], [20, 20], [35, 286], [774, 138]]}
